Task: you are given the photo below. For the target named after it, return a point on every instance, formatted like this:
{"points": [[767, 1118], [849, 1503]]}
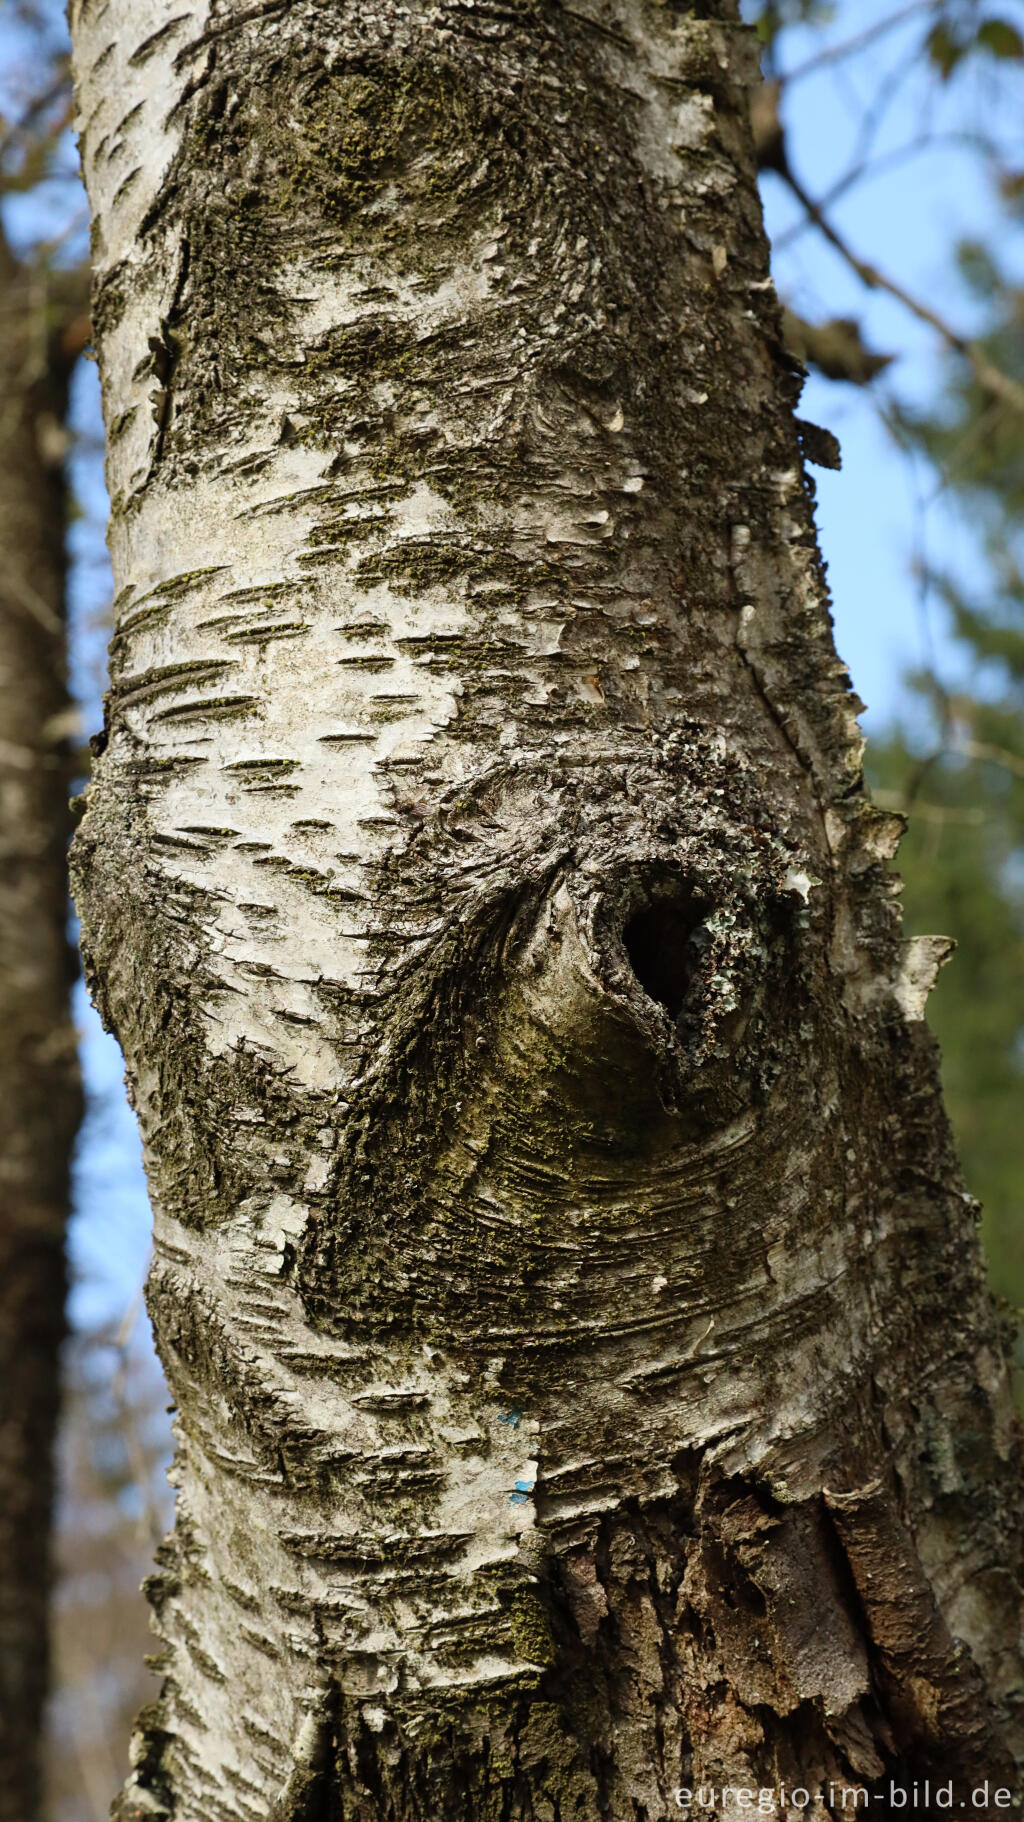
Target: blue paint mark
{"points": [[515, 1418], [517, 1499], [524, 1486]]}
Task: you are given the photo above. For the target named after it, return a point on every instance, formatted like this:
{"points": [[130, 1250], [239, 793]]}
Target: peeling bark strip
{"points": [[39, 1091], [556, 1228]]}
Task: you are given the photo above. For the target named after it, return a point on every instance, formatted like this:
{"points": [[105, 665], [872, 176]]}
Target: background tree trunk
{"points": [[585, 1383], [39, 1087]]}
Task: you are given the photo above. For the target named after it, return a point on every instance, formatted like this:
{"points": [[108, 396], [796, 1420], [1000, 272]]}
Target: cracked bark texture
{"points": [[585, 1383], [39, 1089]]}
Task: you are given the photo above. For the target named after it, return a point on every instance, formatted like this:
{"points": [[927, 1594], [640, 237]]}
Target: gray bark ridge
{"points": [[585, 1382]]}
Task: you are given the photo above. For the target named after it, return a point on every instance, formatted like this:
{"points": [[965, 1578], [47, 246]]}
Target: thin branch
{"points": [[932, 812], [906, 799], [837, 52], [59, 89], [989, 377], [1000, 756], [869, 170], [970, 437]]}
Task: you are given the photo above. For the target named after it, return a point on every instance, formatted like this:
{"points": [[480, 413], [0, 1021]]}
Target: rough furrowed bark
{"points": [[39, 1091], [585, 1383]]}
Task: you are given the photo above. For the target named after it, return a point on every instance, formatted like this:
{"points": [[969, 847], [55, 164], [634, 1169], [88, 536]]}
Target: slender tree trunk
{"points": [[39, 1089], [585, 1384]]}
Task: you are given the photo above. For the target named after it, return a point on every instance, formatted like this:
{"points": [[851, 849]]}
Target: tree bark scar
{"points": [[164, 350], [307, 1795], [941, 1712]]}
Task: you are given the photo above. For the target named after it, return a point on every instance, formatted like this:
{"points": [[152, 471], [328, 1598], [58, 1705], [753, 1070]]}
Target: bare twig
{"points": [[59, 89], [835, 53], [869, 170], [1000, 756], [990, 377], [932, 812]]}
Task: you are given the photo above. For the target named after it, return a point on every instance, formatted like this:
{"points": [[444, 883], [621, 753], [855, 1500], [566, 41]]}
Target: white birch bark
{"points": [[584, 1381]]}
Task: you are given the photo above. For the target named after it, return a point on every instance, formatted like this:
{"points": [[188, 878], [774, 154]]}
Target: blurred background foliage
{"points": [[914, 345], [115, 1507]]}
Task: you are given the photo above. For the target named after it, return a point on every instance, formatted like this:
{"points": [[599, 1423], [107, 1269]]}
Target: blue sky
{"points": [[872, 517]]}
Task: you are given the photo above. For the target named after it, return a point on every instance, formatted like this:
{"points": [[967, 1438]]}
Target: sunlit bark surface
{"points": [[585, 1385]]}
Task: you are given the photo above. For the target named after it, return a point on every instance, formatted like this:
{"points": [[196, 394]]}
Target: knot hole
{"points": [[662, 953]]}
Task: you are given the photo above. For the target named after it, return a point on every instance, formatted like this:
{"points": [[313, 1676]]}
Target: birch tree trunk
{"points": [[585, 1382], [39, 1088]]}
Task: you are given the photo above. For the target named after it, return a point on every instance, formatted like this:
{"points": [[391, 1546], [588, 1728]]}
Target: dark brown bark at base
{"points": [[718, 1631], [39, 1089]]}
